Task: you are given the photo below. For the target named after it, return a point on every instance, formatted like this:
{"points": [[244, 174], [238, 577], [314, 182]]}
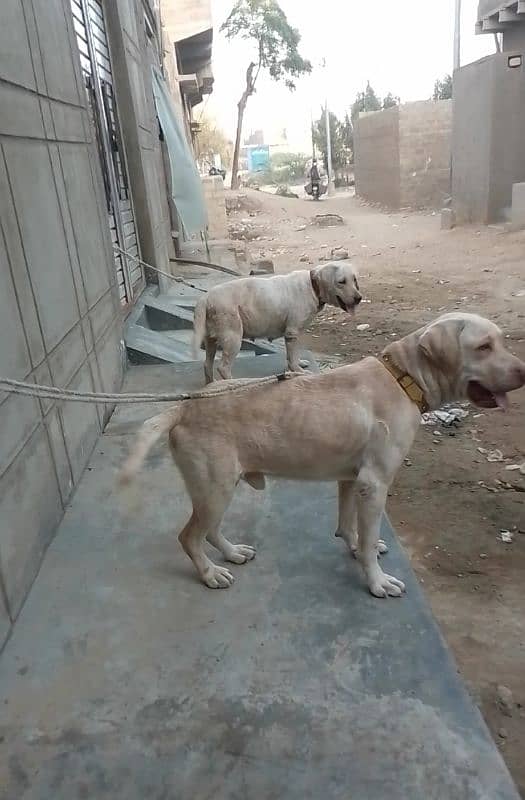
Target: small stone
{"points": [[502, 733], [364, 326], [505, 700], [339, 253], [483, 555]]}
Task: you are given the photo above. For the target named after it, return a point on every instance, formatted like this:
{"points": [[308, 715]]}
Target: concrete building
{"points": [[489, 123], [402, 154], [81, 171]]}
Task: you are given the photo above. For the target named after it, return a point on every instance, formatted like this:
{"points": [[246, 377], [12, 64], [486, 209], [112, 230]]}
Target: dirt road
{"points": [[449, 503]]}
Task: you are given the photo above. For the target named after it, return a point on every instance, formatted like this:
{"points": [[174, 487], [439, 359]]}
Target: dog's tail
{"points": [[199, 325], [150, 433]]}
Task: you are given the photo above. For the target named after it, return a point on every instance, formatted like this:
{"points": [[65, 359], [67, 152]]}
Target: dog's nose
{"points": [[357, 299]]}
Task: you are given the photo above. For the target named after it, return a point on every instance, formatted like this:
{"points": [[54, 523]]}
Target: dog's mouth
{"points": [[345, 306], [484, 398]]}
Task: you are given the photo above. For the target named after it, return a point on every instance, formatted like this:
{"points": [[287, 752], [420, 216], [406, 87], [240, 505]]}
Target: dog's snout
{"points": [[357, 299]]}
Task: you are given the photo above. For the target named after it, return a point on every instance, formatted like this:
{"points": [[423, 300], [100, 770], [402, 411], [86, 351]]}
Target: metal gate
{"points": [[90, 29]]}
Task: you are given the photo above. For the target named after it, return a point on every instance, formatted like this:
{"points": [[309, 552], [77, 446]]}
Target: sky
{"points": [[400, 47]]}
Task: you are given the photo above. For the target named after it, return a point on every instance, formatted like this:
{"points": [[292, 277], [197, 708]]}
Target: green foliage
{"points": [[341, 139], [389, 101], [443, 88], [265, 24], [288, 167]]}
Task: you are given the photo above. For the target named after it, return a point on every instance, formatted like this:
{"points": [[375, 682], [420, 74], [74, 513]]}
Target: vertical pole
{"points": [[457, 35], [328, 149]]}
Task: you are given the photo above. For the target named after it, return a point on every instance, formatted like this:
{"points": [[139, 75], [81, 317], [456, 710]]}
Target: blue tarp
{"points": [[186, 186]]}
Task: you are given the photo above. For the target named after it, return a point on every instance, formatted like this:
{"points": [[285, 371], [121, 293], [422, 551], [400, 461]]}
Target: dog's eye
{"points": [[485, 347], [341, 280]]}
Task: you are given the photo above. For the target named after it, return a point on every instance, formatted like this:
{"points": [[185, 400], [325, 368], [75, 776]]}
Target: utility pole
{"points": [[457, 36], [329, 167]]}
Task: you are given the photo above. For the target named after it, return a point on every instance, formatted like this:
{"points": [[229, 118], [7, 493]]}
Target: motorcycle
{"points": [[316, 189]]}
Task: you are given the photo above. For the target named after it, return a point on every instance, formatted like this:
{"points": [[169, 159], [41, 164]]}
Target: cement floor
{"points": [[126, 678]]}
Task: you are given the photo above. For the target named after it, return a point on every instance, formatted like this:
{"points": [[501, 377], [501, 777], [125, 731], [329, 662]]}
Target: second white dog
{"points": [[281, 305]]}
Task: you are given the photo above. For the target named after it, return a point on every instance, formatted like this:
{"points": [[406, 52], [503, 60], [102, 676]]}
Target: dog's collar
{"points": [[411, 388], [316, 289]]}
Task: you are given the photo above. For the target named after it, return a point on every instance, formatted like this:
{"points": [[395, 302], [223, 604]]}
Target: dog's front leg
{"points": [[347, 522], [292, 351], [371, 499]]}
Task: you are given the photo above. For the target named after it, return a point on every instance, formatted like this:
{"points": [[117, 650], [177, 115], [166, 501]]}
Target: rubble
{"points": [[447, 416], [327, 220], [505, 700], [339, 253]]}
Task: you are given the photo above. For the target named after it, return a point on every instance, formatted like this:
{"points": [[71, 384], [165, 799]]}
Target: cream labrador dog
{"points": [[353, 425], [281, 305]]}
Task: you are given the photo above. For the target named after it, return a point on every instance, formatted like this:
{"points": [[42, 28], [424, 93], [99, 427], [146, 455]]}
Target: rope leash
{"points": [[175, 278], [53, 393]]}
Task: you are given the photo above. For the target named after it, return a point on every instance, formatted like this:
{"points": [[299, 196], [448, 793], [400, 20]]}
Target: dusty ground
{"points": [[449, 503]]}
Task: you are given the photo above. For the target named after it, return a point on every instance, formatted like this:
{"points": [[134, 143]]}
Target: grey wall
{"points": [[425, 132], [60, 319], [376, 144], [132, 56], [402, 155], [488, 137]]}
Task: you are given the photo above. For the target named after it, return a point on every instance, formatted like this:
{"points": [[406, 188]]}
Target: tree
{"points": [[211, 139], [389, 101], [443, 88], [288, 167], [341, 139], [276, 43], [365, 101]]}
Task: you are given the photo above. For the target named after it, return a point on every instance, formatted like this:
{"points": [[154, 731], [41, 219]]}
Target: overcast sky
{"points": [[401, 47]]}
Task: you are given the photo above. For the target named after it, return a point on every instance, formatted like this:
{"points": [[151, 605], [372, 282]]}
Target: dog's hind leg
{"points": [[211, 349], [231, 344]]}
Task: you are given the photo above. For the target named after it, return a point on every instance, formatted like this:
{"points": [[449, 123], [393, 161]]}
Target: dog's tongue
{"points": [[502, 400]]}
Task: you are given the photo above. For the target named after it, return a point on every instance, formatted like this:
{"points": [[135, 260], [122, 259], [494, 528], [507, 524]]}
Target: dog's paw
{"points": [[218, 577], [382, 547], [240, 553], [383, 585]]}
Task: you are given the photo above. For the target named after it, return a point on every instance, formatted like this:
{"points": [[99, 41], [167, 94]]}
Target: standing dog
{"points": [[353, 425], [281, 305]]}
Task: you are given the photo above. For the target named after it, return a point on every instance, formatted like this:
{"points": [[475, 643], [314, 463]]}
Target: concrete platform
{"points": [[126, 678]]}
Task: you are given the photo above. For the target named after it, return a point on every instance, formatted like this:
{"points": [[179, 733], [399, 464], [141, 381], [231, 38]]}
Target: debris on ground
{"points": [[364, 326], [506, 536], [241, 202], [448, 416], [492, 456], [505, 700], [263, 265], [305, 258], [243, 230], [327, 220], [285, 191], [516, 468], [339, 253]]}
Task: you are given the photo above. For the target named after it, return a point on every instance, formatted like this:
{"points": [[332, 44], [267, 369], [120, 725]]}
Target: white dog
{"points": [[353, 425], [280, 305]]}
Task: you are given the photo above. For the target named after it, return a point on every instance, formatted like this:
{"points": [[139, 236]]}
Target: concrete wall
{"points": [[60, 318], [425, 132], [213, 187], [488, 139], [402, 155], [132, 56], [376, 145]]}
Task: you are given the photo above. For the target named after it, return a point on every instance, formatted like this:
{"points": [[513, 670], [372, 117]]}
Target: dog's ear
{"points": [[440, 344]]}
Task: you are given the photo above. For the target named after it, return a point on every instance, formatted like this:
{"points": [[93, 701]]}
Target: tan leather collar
{"points": [[316, 289], [411, 388]]}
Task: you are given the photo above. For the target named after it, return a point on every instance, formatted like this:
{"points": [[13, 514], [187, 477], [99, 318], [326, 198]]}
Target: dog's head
{"points": [[338, 284], [469, 351]]}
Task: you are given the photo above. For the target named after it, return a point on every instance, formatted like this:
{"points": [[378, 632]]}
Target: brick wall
{"points": [[425, 132], [402, 155], [376, 143]]}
